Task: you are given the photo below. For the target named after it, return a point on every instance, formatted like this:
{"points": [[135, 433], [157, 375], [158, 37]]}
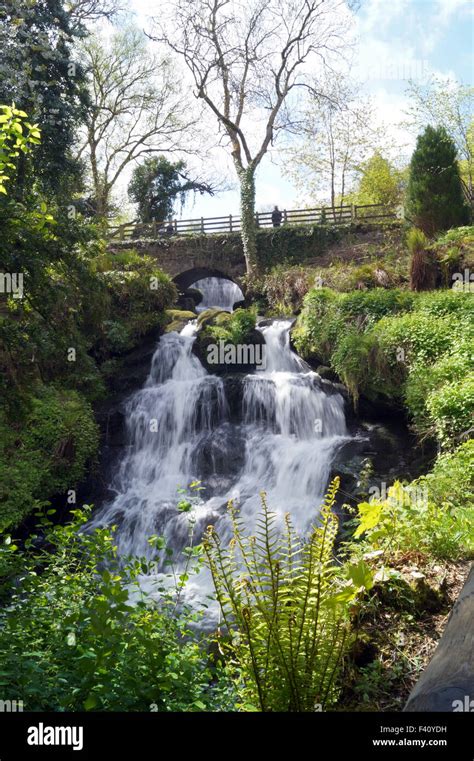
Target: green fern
{"points": [[286, 606]]}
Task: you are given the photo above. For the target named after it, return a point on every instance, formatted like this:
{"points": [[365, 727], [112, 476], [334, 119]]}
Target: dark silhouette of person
{"points": [[170, 227], [277, 216]]}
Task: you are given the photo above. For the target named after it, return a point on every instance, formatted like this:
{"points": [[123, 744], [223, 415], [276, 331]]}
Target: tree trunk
{"points": [[247, 216], [447, 684]]}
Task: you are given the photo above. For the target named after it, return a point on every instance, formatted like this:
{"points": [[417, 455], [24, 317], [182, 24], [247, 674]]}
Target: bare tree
{"points": [[136, 110], [91, 11], [337, 134], [246, 58]]}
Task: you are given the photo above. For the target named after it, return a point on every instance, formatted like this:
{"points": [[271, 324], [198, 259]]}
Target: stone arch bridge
{"points": [[188, 260]]}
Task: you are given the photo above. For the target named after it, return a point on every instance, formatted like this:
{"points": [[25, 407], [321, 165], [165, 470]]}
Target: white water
{"points": [[179, 430], [218, 292]]}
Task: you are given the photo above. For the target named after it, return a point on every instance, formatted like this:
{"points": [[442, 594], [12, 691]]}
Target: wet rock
{"points": [[327, 373]]}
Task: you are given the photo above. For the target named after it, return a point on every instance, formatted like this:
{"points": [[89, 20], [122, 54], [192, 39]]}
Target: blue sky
{"points": [[397, 40]]}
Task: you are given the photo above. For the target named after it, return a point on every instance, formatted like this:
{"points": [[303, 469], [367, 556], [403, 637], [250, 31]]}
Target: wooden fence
{"points": [[341, 215]]}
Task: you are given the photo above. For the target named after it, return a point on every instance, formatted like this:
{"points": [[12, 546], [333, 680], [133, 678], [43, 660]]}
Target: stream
{"points": [[282, 433]]}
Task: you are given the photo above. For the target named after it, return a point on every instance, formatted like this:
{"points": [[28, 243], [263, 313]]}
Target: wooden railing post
{"points": [[319, 215]]}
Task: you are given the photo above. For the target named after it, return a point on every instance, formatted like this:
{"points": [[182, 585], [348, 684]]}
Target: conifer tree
{"points": [[435, 196]]}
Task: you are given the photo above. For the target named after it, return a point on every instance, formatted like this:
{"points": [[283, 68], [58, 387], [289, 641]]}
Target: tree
{"points": [[245, 60], [136, 110], [336, 134], [16, 138], [435, 197], [41, 76], [379, 182], [158, 183], [450, 105]]}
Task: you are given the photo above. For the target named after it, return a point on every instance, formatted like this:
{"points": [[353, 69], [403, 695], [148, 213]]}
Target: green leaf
{"points": [[91, 702], [369, 516], [361, 575]]}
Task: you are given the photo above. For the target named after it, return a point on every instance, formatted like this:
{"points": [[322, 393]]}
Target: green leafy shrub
{"points": [[233, 328], [452, 409], [446, 302], [424, 379], [286, 605], [80, 634], [399, 345], [352, 360], [369, 306], [46, 453], [420, 337]]}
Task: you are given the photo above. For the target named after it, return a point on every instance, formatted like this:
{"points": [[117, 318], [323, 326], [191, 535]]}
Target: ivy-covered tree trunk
{"points": [[247, 216]]}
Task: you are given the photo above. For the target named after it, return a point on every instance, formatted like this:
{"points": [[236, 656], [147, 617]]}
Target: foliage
{"points": [[233, 328], [455, 253], [44, 453], [41, 75], [286, 606], [423, 262], [434, 514], [435, 196], [139, 294], [449, 104], [16, 137], [379, 182], [400, 346], [293, 244], [80, 634], [451, 408], [157, 184], [284, 288]]}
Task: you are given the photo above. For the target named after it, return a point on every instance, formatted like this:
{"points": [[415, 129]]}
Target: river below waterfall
{"points": [[282, 434]]}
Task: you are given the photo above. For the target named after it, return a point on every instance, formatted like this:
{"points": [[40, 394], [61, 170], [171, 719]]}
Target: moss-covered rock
{"points": [[177, 319]]}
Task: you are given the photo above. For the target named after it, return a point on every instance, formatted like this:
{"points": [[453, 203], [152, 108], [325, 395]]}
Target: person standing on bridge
{"points": [[277, 216]]}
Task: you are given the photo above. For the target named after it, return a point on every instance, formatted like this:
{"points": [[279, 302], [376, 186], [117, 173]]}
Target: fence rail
{"points": [[341, 215]]}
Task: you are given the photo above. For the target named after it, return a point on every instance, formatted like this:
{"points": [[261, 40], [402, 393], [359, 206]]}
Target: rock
{"points": [[231, 359], [327, 373], [189, 299], [178, 318]]}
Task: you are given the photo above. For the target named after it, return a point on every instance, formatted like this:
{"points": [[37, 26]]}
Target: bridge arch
{"points": [[185, 280]]}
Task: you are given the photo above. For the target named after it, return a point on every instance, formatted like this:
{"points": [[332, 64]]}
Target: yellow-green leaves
{"points": [[369, 516], [16, 136]]}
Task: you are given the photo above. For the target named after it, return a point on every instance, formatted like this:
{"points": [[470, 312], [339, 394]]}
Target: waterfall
{"points": [[179, 429], [218, 292]]}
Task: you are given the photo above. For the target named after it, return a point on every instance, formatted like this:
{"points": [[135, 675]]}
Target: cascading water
{"points": [[180, 429], [218, 292]]}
